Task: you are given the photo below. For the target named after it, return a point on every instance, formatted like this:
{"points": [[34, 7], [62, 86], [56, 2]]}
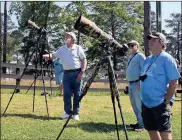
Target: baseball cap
{"points": [[133, 42], [72, 34], [157, 35]]}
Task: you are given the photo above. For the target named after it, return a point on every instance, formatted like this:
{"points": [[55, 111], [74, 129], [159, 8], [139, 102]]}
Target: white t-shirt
{"points": [[70, 58]]}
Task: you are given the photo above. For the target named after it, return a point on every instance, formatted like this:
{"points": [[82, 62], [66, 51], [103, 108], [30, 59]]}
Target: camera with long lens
{"points": [[89, 28], [143, 77]]}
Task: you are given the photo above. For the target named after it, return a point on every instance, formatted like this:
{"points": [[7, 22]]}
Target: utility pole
{"points": [[158, 16]]}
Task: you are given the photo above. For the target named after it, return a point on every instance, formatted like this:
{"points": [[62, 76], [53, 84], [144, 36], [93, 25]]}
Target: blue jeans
{"points": [[72, 86], [136, 102]]}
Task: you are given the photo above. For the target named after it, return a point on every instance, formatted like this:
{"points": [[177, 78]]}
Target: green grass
{"points": [[96, 114]]}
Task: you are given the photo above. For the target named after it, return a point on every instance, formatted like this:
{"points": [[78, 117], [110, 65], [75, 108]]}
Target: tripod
{"points": [[36, 75], [114, 93]]}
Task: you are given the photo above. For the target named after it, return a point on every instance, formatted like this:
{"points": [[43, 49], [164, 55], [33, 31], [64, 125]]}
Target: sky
{"points": [[166, 8]]}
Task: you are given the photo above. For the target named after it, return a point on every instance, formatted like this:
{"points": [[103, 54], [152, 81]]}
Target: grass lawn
{"points": [[96, 118]]}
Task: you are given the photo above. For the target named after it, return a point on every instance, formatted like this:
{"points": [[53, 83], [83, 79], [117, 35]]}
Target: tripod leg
{"points": [[113, 100], [35, 77], [51, 75], [18, 83], [115, 91], [89, 82], [34, 91], [34, 82], [44, 91], [31, 85]]}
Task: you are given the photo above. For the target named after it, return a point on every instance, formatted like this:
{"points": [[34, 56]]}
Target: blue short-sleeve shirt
{"points": [[135, 66], [161, 72]]}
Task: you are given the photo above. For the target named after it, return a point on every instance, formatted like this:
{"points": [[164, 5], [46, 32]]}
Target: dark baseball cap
{"points": [[158, 35]]}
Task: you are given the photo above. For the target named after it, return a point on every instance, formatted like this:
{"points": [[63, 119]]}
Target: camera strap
{"points": [[132, 58], [152, 63]]}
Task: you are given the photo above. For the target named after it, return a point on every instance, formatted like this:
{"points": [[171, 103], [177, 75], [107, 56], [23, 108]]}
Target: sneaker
{"points": [[44, 93], [60, 94], [139, 129], [65, 116], [76, 117]]}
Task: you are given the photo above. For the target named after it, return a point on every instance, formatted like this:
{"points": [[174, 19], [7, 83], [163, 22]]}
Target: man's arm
{"points": [[173, 75], [46, 56], [83, 68], [52, 55], [84, 65], [171, 90]]}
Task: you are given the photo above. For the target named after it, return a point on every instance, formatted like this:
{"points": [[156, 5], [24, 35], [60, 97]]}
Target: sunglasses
{"points": [[131, 45]]}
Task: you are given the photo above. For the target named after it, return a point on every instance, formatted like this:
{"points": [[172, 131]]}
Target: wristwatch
{"points": [[166, 102]]}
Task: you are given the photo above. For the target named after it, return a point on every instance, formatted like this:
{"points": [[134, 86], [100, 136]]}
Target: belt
{"points": [[73, 70], [131, 82]]}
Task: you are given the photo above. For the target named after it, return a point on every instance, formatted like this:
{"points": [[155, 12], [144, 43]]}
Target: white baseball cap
{"points": [[72, 34]]}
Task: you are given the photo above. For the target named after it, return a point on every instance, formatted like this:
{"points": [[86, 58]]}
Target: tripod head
{"points": [[40, 30]]}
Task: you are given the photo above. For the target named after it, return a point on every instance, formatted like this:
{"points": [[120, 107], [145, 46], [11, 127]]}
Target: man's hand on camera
{"points": [[46, 57]]}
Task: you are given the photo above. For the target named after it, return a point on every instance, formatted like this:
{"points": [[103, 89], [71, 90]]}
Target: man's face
{"points": [[155, 45], [132, 48], [68, 38]]}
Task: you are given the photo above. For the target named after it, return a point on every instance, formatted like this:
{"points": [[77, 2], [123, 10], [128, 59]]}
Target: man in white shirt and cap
{"points": [[74, 64]]}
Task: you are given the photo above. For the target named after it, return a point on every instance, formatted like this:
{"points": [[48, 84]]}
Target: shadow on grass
{"points": [[102, 127], [31, 116]]}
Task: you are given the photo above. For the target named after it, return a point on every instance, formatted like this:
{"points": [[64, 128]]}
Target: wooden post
{"points": [[17, 80]]}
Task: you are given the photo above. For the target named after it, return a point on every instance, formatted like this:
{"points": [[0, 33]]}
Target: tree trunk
{"points": [[178, 52], [4, 36], [113, 34], [147, 25], [1, 37]]}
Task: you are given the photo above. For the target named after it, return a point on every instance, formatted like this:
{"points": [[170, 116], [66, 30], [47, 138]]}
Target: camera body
{"points": [[126, 90], [143, 77]]}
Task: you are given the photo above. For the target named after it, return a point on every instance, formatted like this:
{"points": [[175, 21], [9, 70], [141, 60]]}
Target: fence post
{"points": [[17, 80]]}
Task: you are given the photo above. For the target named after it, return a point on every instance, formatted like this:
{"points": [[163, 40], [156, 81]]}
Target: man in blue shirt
{"points": [[135, 64], [59, 74], [158, 83]]}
